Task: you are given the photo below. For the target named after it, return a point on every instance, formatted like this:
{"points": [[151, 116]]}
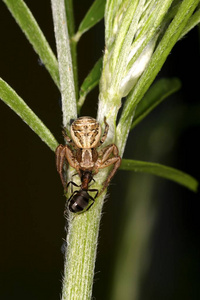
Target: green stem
{"points": [[65, 62], [193, 21], [80, 259], [82, 229], [73, 44]]}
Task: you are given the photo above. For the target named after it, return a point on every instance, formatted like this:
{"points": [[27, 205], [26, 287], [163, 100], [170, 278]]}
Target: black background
{"points": [[32, 202]]}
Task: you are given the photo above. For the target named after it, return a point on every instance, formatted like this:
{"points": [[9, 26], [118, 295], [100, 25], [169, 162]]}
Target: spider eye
{"points": [[71, 121]]}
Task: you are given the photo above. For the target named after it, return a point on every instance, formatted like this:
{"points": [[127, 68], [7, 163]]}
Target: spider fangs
{"points": [[81, 152]]}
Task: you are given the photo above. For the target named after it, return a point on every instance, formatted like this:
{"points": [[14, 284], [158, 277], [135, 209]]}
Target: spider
{"points": [[81, 151]]}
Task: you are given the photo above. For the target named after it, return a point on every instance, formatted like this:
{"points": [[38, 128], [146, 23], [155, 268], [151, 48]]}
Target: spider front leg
{"points": [[104, 136], [64, 153], [67, 138], [107, 161], [60, 159]]}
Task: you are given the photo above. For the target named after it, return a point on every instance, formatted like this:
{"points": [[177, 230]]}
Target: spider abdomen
{"points": [[86, 132]]}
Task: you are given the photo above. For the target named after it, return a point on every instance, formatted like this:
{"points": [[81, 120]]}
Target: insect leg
{"points": [[72, 183]]}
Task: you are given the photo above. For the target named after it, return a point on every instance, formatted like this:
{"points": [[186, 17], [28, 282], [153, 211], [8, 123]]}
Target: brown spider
{"points": [[82, 154]]}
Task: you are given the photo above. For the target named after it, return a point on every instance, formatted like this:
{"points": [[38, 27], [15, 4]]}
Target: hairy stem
{"points": [[83, 229], [82, 239], [64, 61], [73, 44]]}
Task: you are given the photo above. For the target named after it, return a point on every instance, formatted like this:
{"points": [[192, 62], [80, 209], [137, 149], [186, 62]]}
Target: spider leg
{"points": [[107, 161], [104, 136], [71, 159], [60, 159], [65, 153], [106, 151], [66, 137], [117, 162]]}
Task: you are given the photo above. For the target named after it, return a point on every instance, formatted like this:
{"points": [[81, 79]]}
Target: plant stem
{"points": [[83, 229], [65, 62], [82, 241], [73, 44]]}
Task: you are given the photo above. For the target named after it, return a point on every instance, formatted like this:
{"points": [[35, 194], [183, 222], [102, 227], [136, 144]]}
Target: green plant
{"points": [[142, 31]]}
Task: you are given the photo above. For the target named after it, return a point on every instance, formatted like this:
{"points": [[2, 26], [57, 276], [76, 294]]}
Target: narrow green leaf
{"points": [[192, 22], [90, 82], [162, 171], [154, 96], [92, 17], [70, 16], [10, 97], [29, 26], [163, 49]]}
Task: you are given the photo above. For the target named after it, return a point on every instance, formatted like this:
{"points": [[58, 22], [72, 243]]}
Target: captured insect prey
{"points": [[79, 199], [82, 155]]}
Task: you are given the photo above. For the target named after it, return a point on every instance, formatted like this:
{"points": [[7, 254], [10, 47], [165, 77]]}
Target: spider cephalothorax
{"points": [[81, 151]]}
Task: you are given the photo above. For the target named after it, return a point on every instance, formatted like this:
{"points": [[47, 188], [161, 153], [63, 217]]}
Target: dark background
{"points": [[32, 202]]}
